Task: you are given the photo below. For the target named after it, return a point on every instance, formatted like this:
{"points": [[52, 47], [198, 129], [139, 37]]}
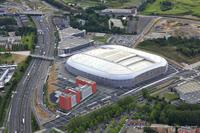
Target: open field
{"points": [[180, 7], [12, 58], [110, 3]]}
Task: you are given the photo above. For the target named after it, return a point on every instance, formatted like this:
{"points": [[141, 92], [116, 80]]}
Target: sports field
{"points": [[191, 7]]}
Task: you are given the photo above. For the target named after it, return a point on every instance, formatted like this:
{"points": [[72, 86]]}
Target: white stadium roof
{"points": [[115, 62]]}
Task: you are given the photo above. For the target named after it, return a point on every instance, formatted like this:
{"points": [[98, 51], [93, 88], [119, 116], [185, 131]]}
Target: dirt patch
{"points": [[51, 80], [18, 58]]}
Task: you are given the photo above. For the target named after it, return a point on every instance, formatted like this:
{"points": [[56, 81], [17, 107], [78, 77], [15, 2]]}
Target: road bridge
{"points": [[42, 57]]}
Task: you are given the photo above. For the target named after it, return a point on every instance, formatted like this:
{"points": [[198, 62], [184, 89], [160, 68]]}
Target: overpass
{"points": [[7, 66], [42, 57], [32, 13]]}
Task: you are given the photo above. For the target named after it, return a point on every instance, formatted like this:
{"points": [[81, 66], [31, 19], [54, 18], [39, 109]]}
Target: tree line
{"points": [[155, 110], [91, 120], [188, 47], [7, 21], [93, 22]]}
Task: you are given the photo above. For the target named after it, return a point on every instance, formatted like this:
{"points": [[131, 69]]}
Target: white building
{"points": [[9, 41], [117, 66]]}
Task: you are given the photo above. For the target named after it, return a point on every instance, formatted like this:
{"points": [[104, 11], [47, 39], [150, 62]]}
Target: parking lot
{"points": [[125, 40]]}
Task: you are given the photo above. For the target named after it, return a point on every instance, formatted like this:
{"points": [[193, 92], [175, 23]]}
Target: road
{"points": [[19, 119]]}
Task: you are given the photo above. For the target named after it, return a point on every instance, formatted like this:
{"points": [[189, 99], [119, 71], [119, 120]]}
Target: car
{"points": [[23, 121]]}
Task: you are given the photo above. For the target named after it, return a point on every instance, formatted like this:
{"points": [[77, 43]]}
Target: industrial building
{"points": [[73, 96], [116, 65], [189, 92], [73, 44], [68, 32], [119, 12]]}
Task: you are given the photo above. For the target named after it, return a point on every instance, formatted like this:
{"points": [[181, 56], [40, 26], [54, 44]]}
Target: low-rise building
{"points": [[119, 12], [9, 41], [115, 23], [189, 91], [68, 32], [73, 44], [160, 128]]}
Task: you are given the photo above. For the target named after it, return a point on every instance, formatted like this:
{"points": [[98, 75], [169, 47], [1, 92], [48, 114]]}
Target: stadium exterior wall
{"points": [[119, 83]]}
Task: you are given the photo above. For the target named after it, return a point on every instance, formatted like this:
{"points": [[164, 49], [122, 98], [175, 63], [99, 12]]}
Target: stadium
{"points": [[116, 66]]}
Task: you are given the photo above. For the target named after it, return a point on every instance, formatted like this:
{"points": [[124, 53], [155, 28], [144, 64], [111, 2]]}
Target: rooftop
{"points": [[116, 61], [72, 41], [116, 23], [85, 79], [117, 10], [68, 32], [189, 87]]}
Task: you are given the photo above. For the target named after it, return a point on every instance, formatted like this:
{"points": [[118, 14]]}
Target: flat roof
{"points": [[115, 62], [188, 87], [72, 41], [69, 32], [118, 10], [116, 22]]}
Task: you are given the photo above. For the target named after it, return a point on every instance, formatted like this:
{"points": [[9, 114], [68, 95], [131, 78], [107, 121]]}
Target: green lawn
{"points": [[170, 96], [102, 39], [110, 3], [28, 40], [180, 7]]}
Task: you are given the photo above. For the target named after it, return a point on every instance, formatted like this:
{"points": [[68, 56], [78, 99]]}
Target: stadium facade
{"points": [[116, 66]]}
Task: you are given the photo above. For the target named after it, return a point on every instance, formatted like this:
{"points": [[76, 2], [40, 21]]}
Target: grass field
{"points": [[110, 3], [12, 58], [170, 96], [191, 7], [28, 40], [102, 39]]}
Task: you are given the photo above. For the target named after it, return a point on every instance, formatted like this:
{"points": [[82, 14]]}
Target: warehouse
{"points": [[119, 12], [72, 44], [68, 32], [116, 66], [189, 92]]}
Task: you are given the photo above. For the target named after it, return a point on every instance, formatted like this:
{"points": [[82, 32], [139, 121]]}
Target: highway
{"points": [[19, 119]]}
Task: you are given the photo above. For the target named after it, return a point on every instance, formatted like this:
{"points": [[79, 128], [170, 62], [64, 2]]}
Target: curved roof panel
{"points": [[115, 62]]}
